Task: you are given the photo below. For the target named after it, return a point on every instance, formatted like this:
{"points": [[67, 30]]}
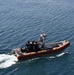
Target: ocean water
{"points": [[23, 20]]}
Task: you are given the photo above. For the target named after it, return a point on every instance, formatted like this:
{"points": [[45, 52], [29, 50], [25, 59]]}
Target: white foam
{"points": [[52, 57], [7, 60], [58, 55], [61, 54]]}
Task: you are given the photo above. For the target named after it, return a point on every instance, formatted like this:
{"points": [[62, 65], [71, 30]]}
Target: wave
{"points": [[7, 60], [58, 55]]}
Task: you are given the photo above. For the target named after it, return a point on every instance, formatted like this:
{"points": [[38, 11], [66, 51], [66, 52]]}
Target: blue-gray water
{"points": [[23, 20]]}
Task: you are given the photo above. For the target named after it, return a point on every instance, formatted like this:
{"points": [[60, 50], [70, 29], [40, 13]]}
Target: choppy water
{"points": [[23, 20]]}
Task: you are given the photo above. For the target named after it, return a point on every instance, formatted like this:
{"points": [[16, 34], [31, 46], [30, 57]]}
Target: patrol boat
{"points": [[49, 49]]}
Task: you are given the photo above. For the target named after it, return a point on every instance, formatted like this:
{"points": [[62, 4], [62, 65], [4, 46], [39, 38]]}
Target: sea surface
{"points": [[23, 20]]}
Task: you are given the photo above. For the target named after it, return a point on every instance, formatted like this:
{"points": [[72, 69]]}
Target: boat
{"points": [[49, 49]]}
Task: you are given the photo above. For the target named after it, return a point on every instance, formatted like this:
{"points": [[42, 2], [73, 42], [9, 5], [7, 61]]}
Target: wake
{"points": [[7, 60]]}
